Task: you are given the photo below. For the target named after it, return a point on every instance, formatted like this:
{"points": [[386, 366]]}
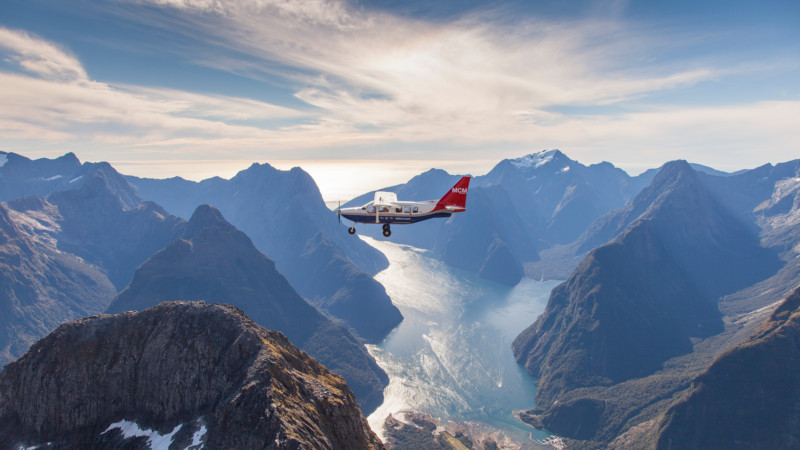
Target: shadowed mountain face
{"points": [[216, 262], [522, 206], [625, 310], [560, 197], [636, 302], [65, 256], [711, 245], [196, 372], [283, 212], [40, 286], [749, 396], [99, 226]]}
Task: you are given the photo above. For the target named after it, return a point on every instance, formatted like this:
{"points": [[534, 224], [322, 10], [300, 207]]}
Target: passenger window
{"points": [[407, 209], [398, 209], [416, 210]]}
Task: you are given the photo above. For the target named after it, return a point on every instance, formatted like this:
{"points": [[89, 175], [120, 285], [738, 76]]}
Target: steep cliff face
{"points": [[624, 311], [639, 300], [189, 371], [216, 262], [749, 397]]}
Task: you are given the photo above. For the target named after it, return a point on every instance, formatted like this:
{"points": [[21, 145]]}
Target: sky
{"points": [[366, 94]]}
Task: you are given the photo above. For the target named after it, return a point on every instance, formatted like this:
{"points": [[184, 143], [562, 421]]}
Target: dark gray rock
{"points": [[180, 363]]}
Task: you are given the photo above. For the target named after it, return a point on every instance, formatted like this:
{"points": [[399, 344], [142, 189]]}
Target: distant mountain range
{"points": [[181, 374], [283, 212], [65, 256], [213, 261]]}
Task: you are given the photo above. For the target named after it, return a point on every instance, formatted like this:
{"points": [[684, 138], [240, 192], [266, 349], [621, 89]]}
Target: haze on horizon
{"points": [[367, 94]]}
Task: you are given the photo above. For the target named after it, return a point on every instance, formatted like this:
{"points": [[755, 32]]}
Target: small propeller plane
{"points": [[386, 209]]}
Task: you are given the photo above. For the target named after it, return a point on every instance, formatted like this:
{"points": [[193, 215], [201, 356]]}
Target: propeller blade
{"points": [[339, 211]]}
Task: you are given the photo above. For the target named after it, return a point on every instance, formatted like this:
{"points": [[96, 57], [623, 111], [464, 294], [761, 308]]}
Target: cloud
{"points": [[40, 57], [377, 84], [419, 80]]}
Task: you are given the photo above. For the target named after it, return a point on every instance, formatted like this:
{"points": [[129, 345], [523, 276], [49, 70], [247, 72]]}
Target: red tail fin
{"points": [[456, 197]]}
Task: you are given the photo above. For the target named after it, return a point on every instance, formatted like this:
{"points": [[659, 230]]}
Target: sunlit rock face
{"points": [[183, 373]]}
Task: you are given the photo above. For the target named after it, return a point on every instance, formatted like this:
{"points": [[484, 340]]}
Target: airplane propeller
{"points": [[339, 211]]}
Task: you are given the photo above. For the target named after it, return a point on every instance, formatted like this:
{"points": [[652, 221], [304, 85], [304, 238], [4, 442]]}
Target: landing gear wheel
{"points": [[387, 232], [351, 230], [385, 226]]}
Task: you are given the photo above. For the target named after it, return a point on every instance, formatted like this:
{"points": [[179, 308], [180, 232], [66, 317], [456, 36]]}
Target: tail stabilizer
{"points": [[455, 199]]}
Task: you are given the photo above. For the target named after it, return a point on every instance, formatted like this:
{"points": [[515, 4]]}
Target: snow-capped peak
{"points": [[534, 160], [3, 159]]}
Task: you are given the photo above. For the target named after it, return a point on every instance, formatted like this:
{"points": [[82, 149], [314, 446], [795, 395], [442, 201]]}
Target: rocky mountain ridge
{"points": [[205, 369]]}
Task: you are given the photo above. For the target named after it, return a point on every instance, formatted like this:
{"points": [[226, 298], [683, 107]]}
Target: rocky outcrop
{"points": [[205, 369], [749, 397], [214, 261]]}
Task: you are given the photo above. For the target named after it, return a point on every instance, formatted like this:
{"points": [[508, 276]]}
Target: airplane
{"points": [[386, 209]]}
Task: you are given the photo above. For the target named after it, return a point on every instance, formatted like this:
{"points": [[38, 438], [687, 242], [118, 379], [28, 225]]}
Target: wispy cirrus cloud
{"points": [[413, 88], [53, 98]]}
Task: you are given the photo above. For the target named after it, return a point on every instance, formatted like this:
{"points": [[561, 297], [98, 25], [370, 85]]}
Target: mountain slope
{"points": [[40, 287], [749, 397], [639, 300], [206, 372], [100, 225], [283, 213], [216, 262]]}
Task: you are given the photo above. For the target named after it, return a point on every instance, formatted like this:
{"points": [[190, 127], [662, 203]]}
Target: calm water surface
{"points": [[451, 356]]}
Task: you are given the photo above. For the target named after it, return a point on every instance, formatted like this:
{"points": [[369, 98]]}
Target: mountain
{"points": [[360, 301], [214, 261], [20, 176], [638, 301], [749, 396], [283, 212], [521, 207], [100, 225], [559, 197], [40, 286], [182, 374], [489, 239]]}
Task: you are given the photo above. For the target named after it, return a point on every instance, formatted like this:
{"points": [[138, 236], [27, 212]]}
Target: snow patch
{"points": [[3, 159], [154, 440], [53, 178], [197, 437], [565, 169], [535, 160], [75, 179]]}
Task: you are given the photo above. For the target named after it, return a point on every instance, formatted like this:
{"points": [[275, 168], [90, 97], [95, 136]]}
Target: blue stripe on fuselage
{"points": [[399, 220]]}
